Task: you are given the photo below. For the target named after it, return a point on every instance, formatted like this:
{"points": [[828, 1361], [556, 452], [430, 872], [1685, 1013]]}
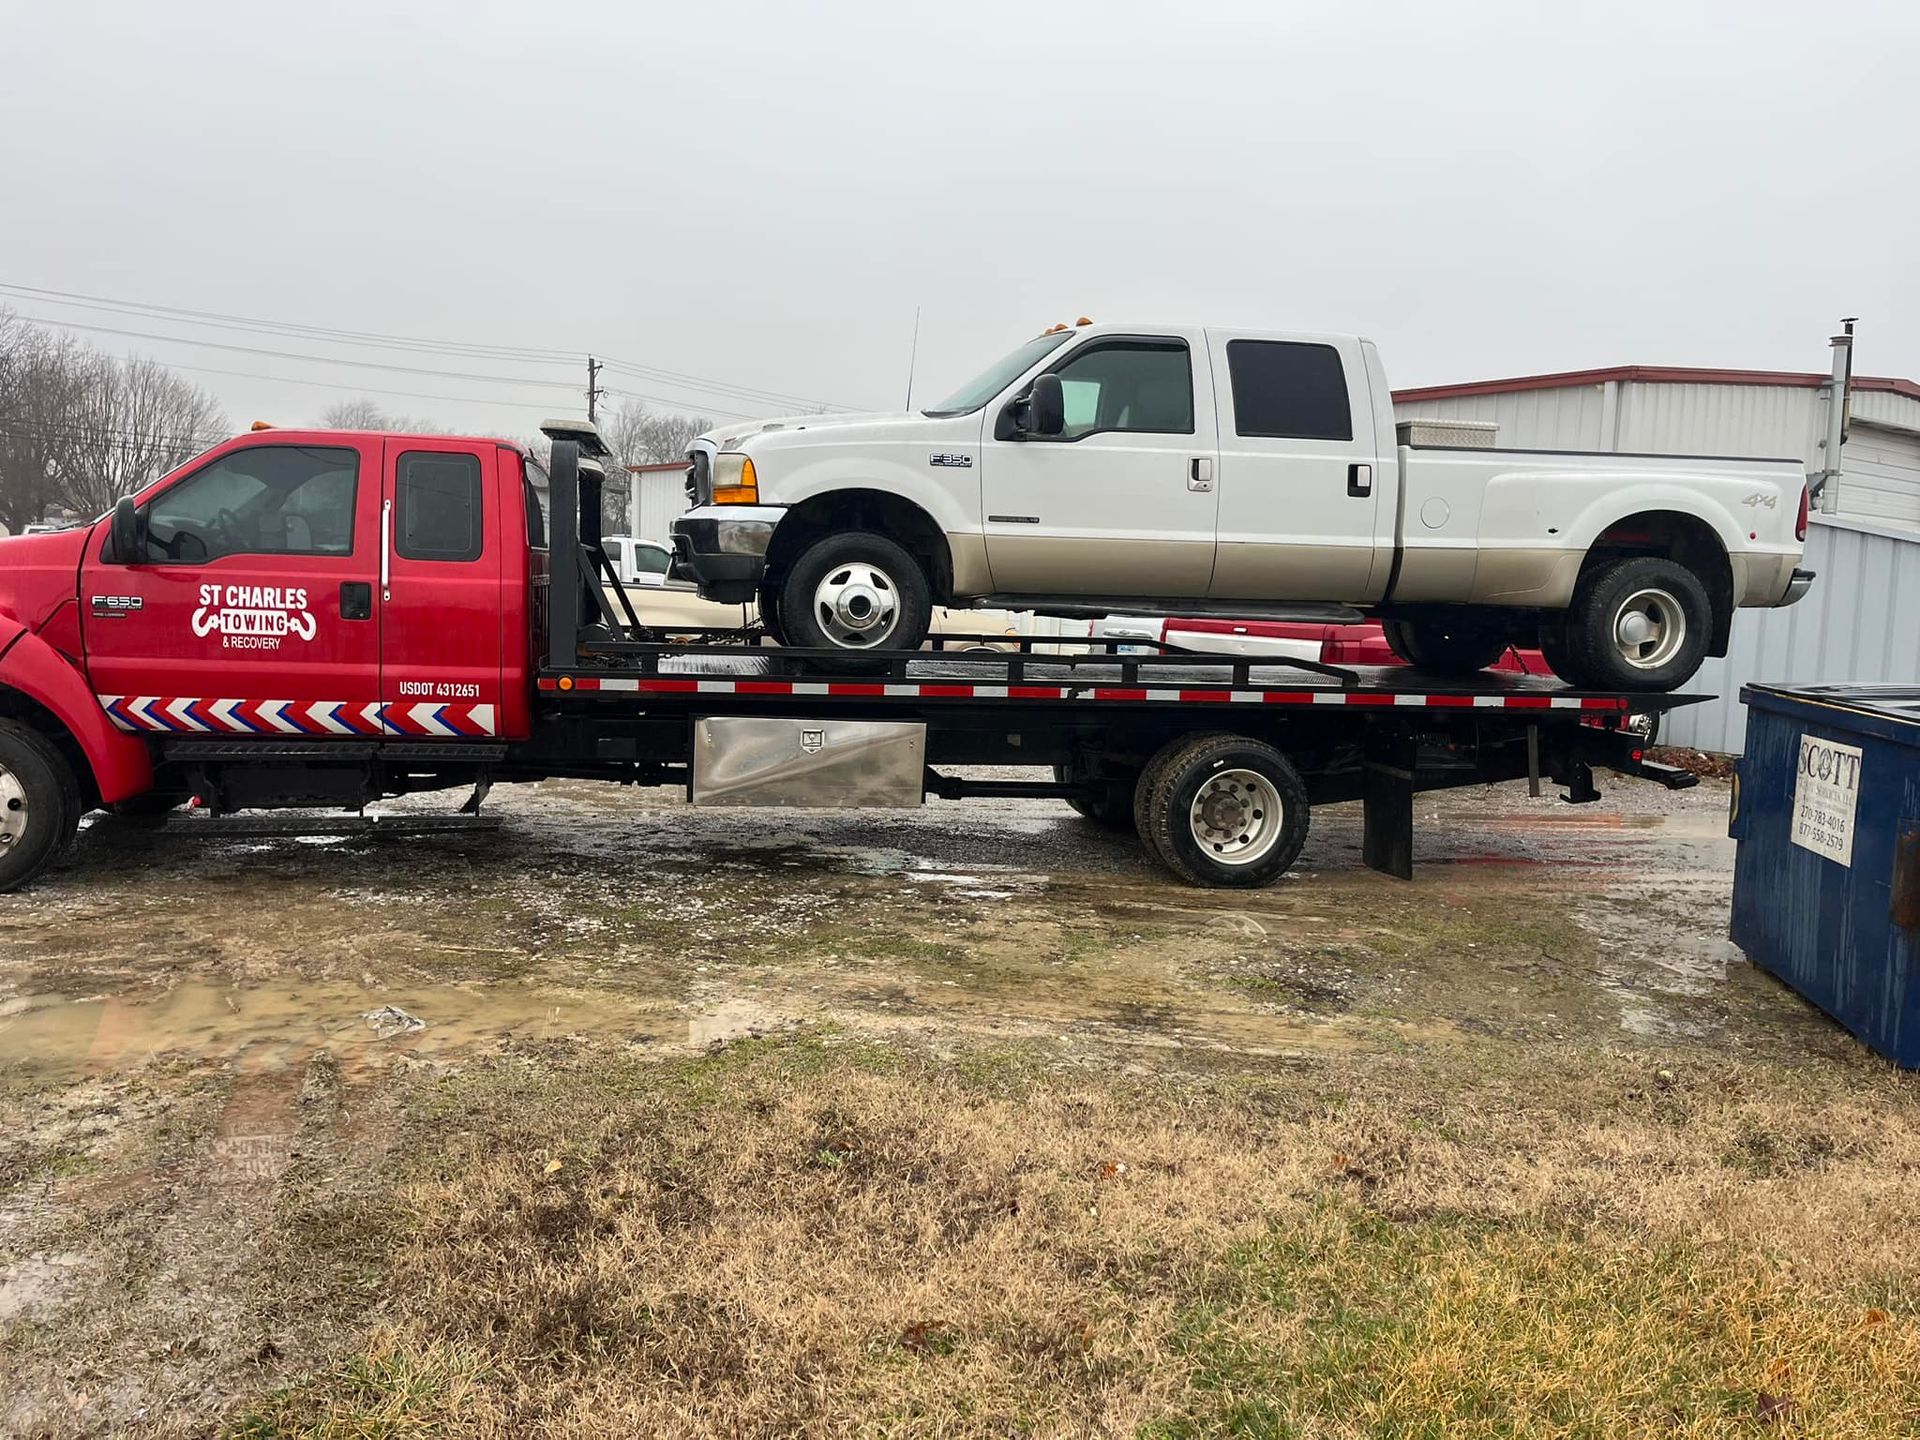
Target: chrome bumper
{"points": [[723, 549], [1796, 588]]}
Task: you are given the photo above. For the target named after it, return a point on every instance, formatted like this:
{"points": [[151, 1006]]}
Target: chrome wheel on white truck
{"points": [[855, 592], [1642, 623]]}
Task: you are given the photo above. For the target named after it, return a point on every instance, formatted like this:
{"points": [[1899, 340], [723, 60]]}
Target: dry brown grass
{"points": [[795, 1238]]}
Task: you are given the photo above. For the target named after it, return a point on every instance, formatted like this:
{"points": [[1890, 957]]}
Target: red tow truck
{"points": [[304, 619]]}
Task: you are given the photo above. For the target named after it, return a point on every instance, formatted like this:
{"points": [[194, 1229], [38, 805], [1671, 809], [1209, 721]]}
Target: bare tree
{"points": [[39, 381], [639, 436], [366, 414], [131, 422]]}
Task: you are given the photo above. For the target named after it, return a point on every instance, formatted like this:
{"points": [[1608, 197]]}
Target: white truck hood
{"points": [[873, 426]]}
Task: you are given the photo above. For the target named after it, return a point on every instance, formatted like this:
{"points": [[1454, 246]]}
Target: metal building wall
{"points": [[1773, 421], [1856, 624], [1568, 418], [660, 498]]}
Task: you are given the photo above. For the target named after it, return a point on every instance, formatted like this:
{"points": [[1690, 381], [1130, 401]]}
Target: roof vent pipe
{"points": [[1838, 404]]}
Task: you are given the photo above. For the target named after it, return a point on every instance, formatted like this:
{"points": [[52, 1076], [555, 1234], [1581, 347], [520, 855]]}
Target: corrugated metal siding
{"points": [[1883, 407], [1880, 475], [661, 498], [1768, 420], [1856, 624], [1570, 418]]}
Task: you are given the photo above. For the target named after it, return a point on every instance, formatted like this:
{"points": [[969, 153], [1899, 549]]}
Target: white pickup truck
{"points": [[1189, 471]]}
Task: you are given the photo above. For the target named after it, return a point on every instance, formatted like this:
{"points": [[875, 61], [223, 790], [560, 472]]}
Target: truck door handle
{"points": [[1200, 474], [1359, 479], [356, 600]]}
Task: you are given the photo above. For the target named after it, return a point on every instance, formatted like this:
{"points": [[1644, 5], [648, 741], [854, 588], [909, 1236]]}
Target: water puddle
{"points": [[49, 1036]]}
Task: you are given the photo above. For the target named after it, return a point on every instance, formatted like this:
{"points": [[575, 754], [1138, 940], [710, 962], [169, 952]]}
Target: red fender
{"points": [[122, 766]]}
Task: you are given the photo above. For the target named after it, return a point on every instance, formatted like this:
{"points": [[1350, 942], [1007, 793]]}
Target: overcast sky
{"points": [[760, 195]]}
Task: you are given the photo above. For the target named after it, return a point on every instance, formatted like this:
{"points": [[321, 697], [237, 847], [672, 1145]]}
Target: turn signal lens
{"points": [[1800, 525], [734, 482]]}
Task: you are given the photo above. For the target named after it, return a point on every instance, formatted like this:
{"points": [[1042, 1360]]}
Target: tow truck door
{"points": [[442, 555], [250, 610]]}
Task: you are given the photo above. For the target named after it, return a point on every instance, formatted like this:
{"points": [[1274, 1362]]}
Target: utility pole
{"points": [[594, 392]]}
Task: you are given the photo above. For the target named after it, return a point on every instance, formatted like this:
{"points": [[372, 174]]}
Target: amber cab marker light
{"points": [[1083, 320], [260, 425]]}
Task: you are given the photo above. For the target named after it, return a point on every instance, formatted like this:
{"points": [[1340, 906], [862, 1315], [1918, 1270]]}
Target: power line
{"points": [[677, 379], [540, 405], [295, 355]]}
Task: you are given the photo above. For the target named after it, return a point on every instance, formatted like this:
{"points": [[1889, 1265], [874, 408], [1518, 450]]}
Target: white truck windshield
{"points": [[983, 387]]}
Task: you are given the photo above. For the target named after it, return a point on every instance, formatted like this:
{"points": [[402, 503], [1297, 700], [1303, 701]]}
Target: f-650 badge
{"points": [[948, 458]]}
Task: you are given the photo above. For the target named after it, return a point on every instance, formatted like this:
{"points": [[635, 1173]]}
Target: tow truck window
{"points": [[1145, 387], [1285, 390], [437, 497], [264, 500]]}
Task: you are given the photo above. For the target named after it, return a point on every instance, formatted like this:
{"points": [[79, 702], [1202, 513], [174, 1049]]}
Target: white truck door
{"points": [[1121, 502], [1301, 478]]}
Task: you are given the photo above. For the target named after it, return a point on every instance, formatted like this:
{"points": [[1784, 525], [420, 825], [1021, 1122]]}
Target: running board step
{"points": [[1300, 612]]}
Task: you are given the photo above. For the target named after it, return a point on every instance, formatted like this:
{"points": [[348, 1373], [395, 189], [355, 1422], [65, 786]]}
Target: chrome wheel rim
{"points": [[857, 605], [1237, 816], [13, 810], [1649, 628]]}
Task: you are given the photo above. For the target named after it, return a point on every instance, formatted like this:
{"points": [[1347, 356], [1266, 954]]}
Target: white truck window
{"points": [[1288, 390], [1144, 386]]}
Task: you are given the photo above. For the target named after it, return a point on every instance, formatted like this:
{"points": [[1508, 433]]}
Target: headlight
{"points": [[734, 482]]}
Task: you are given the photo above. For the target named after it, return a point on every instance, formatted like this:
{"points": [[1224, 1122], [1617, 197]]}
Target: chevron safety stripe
{"points": [[945, 690], [317, 719]]}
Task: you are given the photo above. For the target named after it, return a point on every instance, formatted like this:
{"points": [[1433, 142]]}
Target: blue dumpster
{"points": [[1826, 879]]}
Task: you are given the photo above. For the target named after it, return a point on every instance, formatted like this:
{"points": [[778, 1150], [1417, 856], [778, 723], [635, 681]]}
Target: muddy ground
{"points": [[230, 1201]]}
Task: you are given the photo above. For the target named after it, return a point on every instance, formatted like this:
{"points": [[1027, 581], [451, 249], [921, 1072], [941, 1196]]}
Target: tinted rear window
{"points": [[438, 500], [1288, 391]]}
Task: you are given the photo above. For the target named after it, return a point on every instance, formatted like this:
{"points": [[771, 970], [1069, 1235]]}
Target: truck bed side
{"points": [[1512, 527]]}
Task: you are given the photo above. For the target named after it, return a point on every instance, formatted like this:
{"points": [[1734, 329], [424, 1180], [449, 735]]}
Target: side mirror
{"points": [[129, 545], [1046, 406]]}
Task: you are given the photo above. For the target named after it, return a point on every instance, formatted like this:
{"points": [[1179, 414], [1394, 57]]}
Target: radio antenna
{"points": [[913, 356]]}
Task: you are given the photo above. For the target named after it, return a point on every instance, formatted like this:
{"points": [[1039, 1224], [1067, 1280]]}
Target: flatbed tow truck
{"points": [[1215, 761]]}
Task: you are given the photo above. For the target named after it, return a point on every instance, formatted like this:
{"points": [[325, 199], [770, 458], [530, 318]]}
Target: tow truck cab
{"points": [[287, 583]]}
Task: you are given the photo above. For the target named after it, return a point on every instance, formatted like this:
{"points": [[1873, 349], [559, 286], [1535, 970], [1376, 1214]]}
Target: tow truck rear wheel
{"points": [[39, 804], [1223, 811], [1444, 650]]}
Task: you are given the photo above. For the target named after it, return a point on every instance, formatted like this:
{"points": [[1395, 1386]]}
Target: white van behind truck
{"points": [[1183, 470]]}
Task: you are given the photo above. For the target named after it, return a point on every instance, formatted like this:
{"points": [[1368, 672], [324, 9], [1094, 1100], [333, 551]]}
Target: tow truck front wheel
{"points": [[1222, 810], [39, 804], [855, 592]]}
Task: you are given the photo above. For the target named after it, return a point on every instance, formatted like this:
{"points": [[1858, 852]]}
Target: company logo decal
{"points": [[254, 617]]}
